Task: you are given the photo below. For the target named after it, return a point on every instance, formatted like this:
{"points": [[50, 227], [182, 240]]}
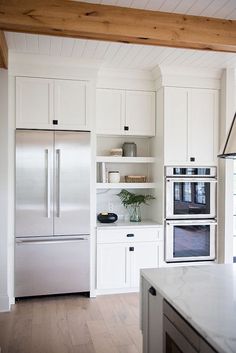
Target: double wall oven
{"points": [[190, 214]]}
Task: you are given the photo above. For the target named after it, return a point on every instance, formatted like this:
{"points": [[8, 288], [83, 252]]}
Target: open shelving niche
{"points": [[143, 164]]}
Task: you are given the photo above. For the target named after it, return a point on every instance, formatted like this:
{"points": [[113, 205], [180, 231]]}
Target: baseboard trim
{"points": [[116, 291], [4, 303]]}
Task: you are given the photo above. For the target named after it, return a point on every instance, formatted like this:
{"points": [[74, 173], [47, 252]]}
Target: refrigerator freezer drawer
{"points": [[51, 267]]}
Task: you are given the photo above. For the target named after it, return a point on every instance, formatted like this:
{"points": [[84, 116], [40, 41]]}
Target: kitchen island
{"points": [[189, 309]]}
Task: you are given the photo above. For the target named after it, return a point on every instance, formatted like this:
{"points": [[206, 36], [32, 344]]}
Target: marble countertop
{"points": [[127, 224], [205, 296]]}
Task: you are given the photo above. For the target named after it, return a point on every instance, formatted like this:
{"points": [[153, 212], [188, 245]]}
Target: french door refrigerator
{"points": [[52, 215]]}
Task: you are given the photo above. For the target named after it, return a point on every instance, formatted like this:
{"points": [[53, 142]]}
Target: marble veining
{"points": [[205, 296]]}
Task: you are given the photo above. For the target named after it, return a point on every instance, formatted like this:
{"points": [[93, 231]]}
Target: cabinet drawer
{"points": [[127, 235]]}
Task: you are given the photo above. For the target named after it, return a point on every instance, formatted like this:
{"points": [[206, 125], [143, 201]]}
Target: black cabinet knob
{"points": [[152, 291], [131, 248], [192, 159], [55, 122], [126, 128], [130, 235]]}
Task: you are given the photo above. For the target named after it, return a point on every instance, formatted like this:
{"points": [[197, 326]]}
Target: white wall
{"points": [[4, 298], [225, 171]]}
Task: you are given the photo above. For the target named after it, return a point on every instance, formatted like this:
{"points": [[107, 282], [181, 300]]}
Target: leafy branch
{"points": [[129, 198]]}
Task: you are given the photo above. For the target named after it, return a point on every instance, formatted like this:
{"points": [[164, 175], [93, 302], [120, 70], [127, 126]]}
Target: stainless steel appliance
{"points": [[190, 203], [190, 240], [52, 212], [190, 195]]}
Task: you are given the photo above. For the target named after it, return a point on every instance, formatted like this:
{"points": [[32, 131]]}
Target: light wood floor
{"points": [[72, 324]]}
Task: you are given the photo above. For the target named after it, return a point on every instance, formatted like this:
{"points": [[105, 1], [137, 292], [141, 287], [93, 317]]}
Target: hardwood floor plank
{"points": [[84, 348], [104, 344], [128, 349], [135, 334], [72, 324]]}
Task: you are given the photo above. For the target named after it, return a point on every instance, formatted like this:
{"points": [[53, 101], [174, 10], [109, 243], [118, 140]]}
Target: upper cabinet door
{"points": [[34, 102], [202, 125], [71, 104], [176, 125], [109, 111], [140, 113]]}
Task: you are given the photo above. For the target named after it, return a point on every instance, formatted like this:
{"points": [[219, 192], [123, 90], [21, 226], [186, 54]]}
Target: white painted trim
{"points": [[189, 71], [186, 77], [125, 74], [117, 291], [50, 67], [4, 195], [4, 303], [126, 79], [11, 186]]}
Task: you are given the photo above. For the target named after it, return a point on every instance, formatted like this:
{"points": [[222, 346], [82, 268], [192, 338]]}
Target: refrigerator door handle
{"points": [[21, 242], [58, 186], [48, 184]]}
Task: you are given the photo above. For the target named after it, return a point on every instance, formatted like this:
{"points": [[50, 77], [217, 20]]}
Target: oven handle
{"points": [[191, 180], [191, 222]]}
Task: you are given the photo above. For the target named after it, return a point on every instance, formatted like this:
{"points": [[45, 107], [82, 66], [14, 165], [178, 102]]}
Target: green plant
{"points": [[131, 199]]}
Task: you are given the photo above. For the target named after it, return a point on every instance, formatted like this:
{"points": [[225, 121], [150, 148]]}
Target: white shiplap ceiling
{"points": [[134, 56]]}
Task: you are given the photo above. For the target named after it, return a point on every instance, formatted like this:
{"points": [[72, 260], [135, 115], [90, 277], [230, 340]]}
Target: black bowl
{"points": [[107, 217]]}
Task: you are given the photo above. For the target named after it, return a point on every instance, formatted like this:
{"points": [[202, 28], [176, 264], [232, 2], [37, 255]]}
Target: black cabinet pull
{"points": [[192, 159], [152, 291], [130, 235], [131, 248], [55, 122], [126, 128]]}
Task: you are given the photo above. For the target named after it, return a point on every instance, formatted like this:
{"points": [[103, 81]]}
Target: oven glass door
{"points": [[190, 241], [186, 198]]}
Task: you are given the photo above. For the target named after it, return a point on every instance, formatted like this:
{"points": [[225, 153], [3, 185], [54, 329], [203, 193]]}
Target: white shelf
{"points": [[126, 185], [112, 159]]}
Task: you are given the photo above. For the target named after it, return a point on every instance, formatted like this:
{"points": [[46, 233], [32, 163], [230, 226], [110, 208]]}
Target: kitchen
{"points": [[127, 91]]}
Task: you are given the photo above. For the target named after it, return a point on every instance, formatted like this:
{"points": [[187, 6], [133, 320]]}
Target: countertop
{"points": [[205, 296], [128, 224]]}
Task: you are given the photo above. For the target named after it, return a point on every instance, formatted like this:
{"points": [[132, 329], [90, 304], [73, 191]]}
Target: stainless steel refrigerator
{"points": [[52, 215]]}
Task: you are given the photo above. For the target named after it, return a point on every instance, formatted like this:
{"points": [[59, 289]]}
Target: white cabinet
{"points": [[112, 269], [121, 253], [190, 126], [52, 104], [109, 114], [140, 113], [176, 125], [34, 102], [71, 104], [121, 112], [145, 255]]}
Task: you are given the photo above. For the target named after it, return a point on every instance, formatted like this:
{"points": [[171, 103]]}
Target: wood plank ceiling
{"points": [[132, 55]]}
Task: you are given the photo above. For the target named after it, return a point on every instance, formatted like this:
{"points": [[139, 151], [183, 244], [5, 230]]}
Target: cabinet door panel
{"points": [[201, 126], [70, 104], [140, 113], [109, 111], [34, 106], [176, 125], [112, 266], [145, 255]]}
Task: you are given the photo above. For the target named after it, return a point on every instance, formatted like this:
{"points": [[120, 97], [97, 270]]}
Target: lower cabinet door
{"points": [[144, 255], [113, 266]]}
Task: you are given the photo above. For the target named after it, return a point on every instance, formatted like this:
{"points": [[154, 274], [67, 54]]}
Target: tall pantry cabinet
{"points": [[190, 125]]}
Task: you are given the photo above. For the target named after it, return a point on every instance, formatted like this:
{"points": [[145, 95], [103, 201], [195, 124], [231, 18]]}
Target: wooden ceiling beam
{"points": [[92, 21], [3, 51]]}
